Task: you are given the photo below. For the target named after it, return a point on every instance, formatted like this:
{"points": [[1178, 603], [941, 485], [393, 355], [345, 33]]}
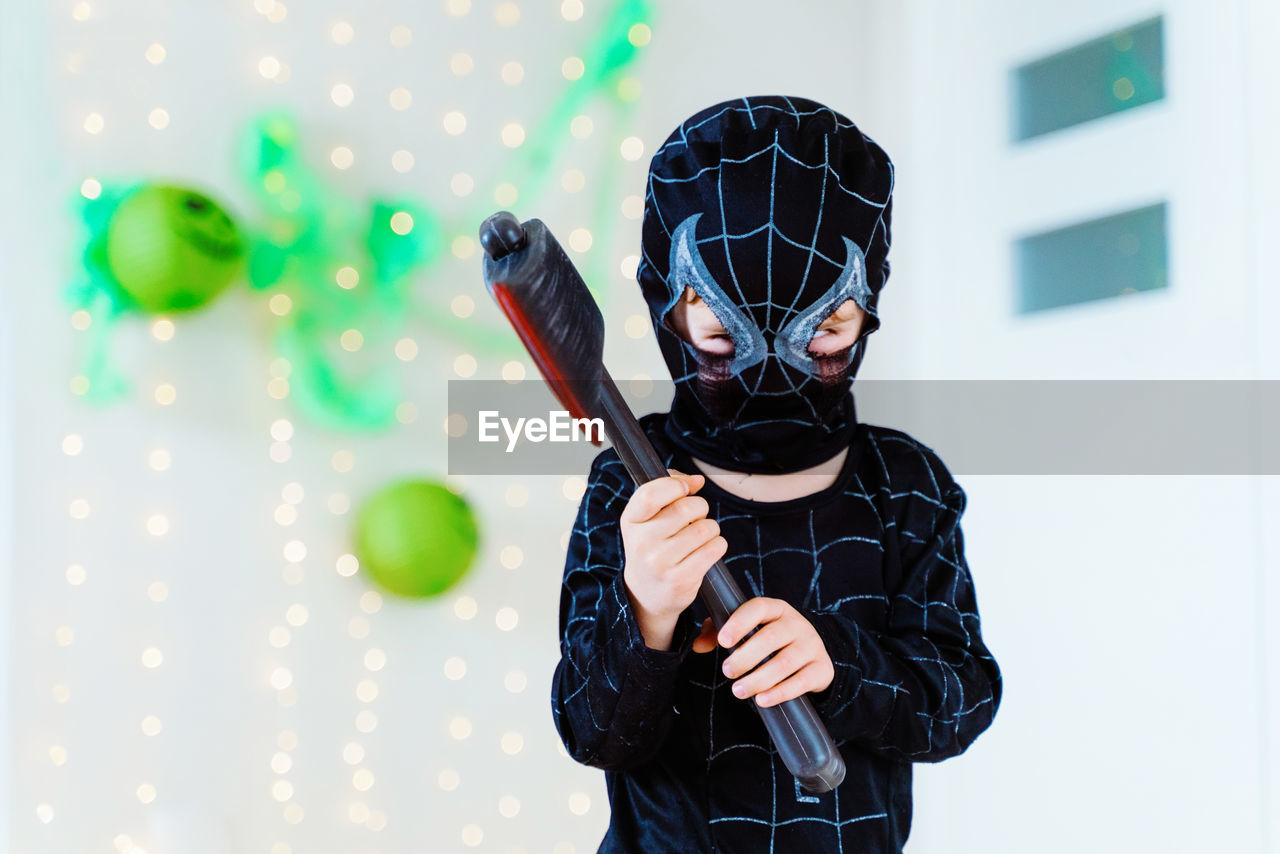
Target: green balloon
{"points": [[415, 538], [172, 249]]}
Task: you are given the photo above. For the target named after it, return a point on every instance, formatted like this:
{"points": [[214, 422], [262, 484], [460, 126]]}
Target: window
{"points": [[1117, 72]]}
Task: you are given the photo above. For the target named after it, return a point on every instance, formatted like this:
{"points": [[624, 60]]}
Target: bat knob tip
{"points": [[502, 234]]}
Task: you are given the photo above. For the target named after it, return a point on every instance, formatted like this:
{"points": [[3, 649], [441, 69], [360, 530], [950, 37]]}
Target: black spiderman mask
{"points": [[774, 210]]}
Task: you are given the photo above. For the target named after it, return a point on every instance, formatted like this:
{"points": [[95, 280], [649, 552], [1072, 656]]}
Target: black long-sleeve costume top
{"points": [[876, 563]]}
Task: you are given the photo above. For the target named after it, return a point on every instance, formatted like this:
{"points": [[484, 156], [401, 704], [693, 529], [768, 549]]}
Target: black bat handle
{"points": [[798, 733]]}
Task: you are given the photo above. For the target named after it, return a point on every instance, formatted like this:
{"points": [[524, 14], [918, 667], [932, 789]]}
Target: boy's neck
{"points": [[775, 487]]}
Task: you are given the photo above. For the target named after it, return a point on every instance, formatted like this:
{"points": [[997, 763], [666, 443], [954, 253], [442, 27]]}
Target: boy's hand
{"points": [[669, 544], [800, 666]]}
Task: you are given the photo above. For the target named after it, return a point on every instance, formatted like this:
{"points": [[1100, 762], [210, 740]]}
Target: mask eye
{"points": [[796, 342], [739, 337]]}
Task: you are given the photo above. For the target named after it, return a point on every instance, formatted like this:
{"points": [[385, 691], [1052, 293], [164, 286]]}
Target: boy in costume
{"points": [[764, 250]]}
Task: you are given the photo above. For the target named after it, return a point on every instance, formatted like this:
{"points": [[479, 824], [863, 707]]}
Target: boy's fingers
{"points": [[649, 498], [801, 682], [688, 540], [701, 559], [756, 649], [752, 613], [676, 515], [706, 641], [693, 481], [771, 673]]}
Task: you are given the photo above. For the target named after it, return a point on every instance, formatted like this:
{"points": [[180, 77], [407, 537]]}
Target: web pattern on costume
{"points": [[914, 680], [782, 311]]}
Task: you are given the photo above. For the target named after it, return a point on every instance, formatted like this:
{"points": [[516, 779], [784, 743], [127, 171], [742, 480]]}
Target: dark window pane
{"points": [[1107, 75], [1118, 254]]}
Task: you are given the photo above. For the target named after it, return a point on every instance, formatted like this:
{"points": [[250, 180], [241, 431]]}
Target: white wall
{"points": [[1129, 614]]}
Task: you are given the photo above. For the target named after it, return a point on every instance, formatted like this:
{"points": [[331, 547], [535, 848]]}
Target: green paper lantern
{"points": [[415, 538], [172, 249]]}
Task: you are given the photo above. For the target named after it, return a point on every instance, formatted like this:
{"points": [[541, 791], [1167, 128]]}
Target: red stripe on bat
{"points": [[542, 355]]}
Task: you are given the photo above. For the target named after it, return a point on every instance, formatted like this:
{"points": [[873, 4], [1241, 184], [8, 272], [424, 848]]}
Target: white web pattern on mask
{"points": [[784, 310]]}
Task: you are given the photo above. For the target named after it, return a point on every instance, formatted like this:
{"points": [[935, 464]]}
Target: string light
{"points": [[512, 743], [162, 330], [462, 305], [401, 36], [512, 135], [463, 246], [512, 73], [351, 340], [158, 118], [461, 64], [454, 122], [341, 33], [517, 495], [401, 222], [505, 194], [159, 460], [155, 53], [406, 349], [515, 681], [402, 161], [342, 157], [460, 728], [506, 619], [465, 365], [572, 68], [400, 99], [343, 461], [506, 14], [462, 184], [342, 95], [632, 148], [579, 803], [454, 668]]}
